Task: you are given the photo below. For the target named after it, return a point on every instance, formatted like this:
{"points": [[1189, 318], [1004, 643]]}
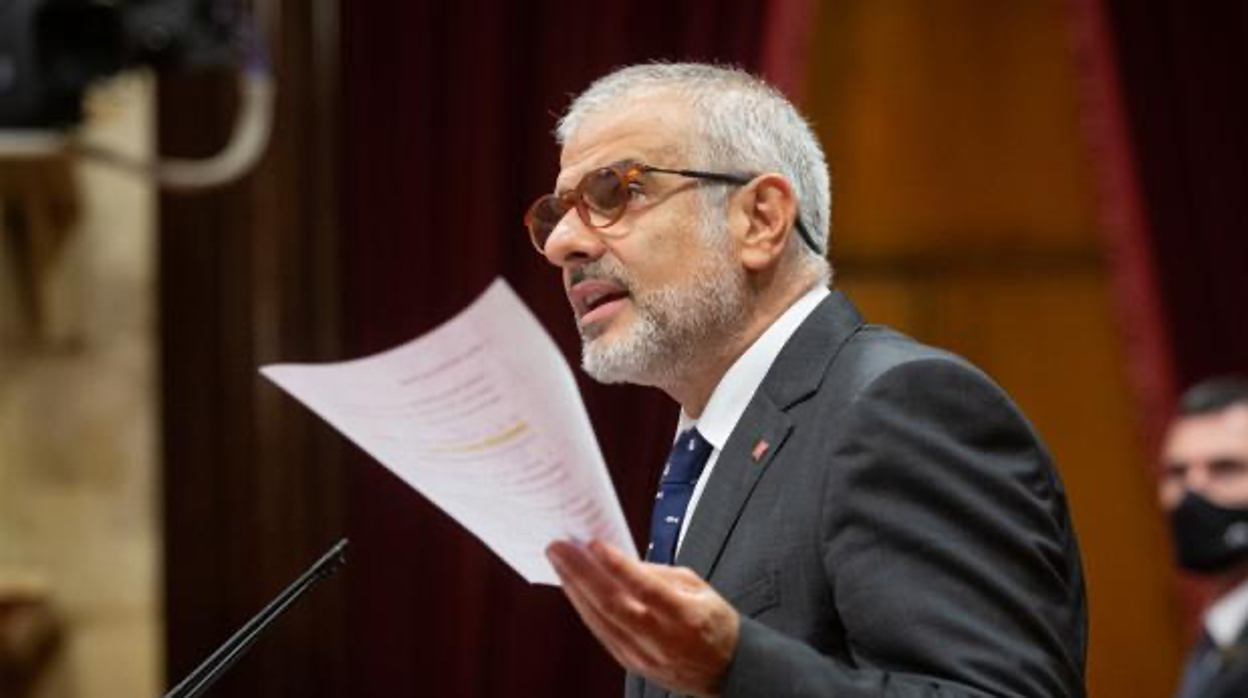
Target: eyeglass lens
{"points": [[600, 200]]}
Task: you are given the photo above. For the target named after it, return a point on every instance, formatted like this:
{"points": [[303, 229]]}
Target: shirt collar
{"points": [[1225, 618], [735, 390]]}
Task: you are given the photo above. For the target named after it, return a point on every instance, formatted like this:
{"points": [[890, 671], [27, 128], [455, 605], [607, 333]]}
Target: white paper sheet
{"points": [[483, 417]]}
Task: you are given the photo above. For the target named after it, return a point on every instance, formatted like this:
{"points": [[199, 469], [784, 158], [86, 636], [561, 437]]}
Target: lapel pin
{"points": [[759, 450]]}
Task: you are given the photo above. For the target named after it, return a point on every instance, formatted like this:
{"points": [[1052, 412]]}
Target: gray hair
{"points": [[744, 124]]}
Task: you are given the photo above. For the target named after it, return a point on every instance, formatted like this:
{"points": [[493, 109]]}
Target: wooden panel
{"points": [[949, 119]]}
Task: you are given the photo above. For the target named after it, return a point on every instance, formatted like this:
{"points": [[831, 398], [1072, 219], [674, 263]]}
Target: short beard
{"points": [[675, 328]]}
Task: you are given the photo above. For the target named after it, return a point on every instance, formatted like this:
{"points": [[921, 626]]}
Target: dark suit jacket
{"points": [[904, 533], [1231, 680]]}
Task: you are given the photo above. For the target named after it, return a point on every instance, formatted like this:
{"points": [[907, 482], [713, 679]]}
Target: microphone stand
{"points": [[225, 656]]}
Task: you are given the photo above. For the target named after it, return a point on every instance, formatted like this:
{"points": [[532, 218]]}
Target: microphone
{"points": [[225, 656]]}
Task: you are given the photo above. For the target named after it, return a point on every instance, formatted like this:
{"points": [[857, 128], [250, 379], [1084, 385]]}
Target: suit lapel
{"points": [[795, 375], [763, 427], [760, 434], [1232, 680]]}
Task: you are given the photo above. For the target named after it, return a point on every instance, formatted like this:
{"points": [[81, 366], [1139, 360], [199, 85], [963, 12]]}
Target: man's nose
{"points": [[1196, 479], [573, 242]]}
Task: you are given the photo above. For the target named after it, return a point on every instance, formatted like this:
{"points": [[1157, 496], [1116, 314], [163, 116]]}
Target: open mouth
{"points": [[595, 299], [598, 300]]}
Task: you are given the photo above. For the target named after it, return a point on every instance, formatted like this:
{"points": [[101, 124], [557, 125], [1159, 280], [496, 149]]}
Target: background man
{"points": [[1204, 489], [845, 512]]}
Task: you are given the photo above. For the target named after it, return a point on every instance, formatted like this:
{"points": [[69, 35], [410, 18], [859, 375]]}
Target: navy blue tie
{"points": [[684, 465]]}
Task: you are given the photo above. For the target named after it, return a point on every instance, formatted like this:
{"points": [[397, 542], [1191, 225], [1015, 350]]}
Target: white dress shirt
{"points": [[1225, 619], [735, 390]]}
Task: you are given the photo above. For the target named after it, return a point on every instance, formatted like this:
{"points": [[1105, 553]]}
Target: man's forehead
{"points": [[650, 130], [1223, 431], [662, 154]]}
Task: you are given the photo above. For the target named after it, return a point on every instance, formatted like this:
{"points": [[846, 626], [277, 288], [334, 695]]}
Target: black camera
{"points": [[52, 50]]}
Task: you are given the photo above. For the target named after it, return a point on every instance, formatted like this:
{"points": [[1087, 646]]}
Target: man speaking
{"points": [[845, 512]]}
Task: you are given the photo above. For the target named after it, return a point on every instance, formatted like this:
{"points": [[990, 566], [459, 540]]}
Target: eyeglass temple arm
{"points": [[807, 237], [739, 179]]}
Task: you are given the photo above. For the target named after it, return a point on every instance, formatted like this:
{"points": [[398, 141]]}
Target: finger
{"points": [[656, 587], [635, 651], [583, 575], [601, 587], [618, 641], [671, 637], [632, 623], [685, 578], [644, 603]]}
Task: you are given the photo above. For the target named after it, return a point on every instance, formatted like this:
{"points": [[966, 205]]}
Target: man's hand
{"points": [[664, 623]]}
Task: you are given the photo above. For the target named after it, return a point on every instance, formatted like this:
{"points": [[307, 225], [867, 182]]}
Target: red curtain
{"points": [[1179, 108], [1183, 67], [448, 109], [1163, 82]]}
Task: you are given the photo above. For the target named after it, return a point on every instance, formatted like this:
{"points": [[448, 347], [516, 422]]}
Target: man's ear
{"points": [[770, 208]]}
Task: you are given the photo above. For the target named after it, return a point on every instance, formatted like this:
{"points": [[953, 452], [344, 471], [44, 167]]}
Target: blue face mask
{"points": [[1208, 538]]}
